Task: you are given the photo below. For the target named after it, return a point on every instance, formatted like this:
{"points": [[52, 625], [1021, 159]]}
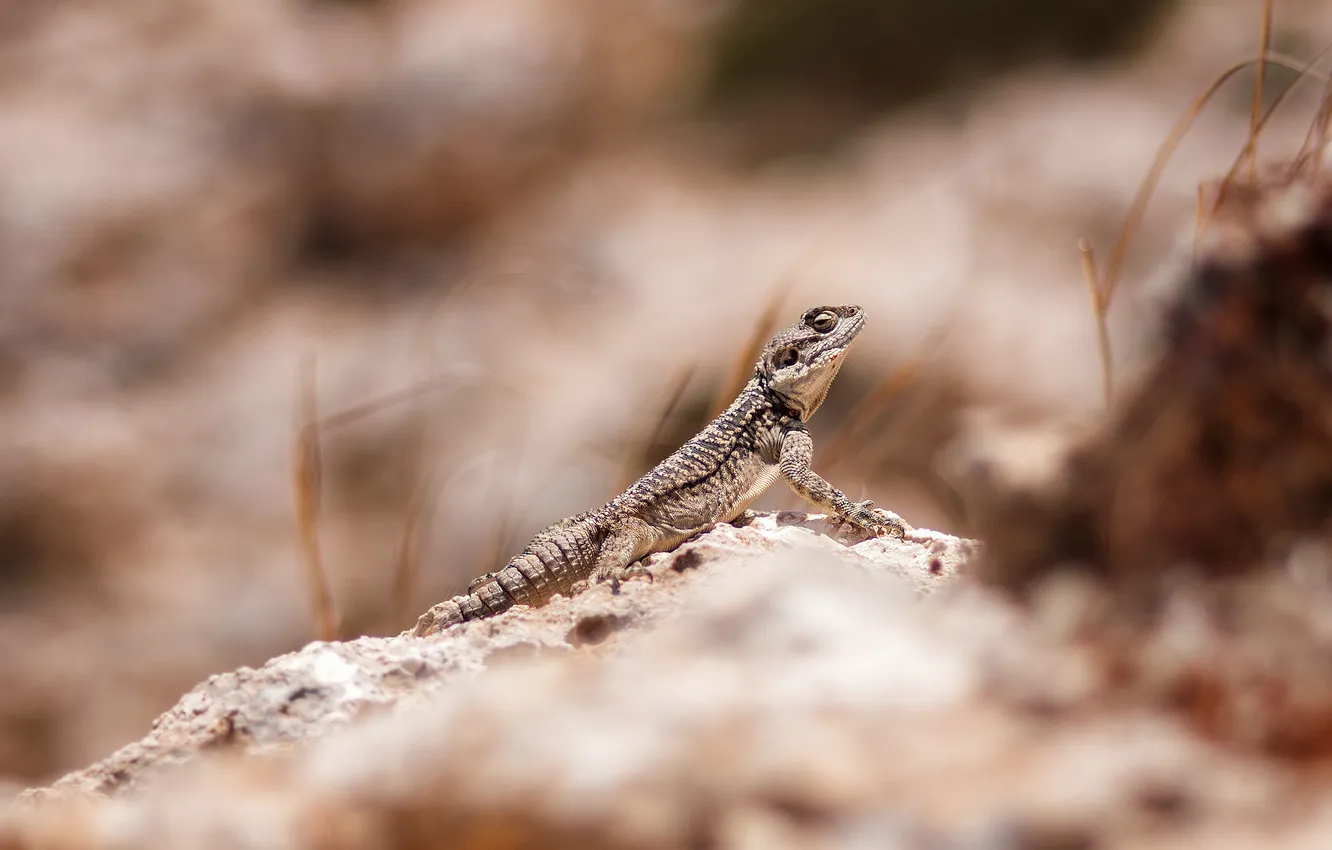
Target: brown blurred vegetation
{"points": [[846, 61], [531, 206]]}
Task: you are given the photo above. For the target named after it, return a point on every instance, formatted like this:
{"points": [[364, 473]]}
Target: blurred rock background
{"points": [[565, 217]]}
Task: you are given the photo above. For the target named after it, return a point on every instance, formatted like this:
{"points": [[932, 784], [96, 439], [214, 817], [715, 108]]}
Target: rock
{"points": [[307, 694], [772, 687]]}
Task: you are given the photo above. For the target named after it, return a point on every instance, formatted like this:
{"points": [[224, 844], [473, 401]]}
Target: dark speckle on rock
{"points": [[593, 630], [689, 559]]}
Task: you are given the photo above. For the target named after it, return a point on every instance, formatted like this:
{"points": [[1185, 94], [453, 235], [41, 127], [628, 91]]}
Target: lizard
{"points": [[713, 478]]}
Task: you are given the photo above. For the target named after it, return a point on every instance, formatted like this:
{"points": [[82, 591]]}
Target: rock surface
{"points": [[306, 694], [772, 687]]}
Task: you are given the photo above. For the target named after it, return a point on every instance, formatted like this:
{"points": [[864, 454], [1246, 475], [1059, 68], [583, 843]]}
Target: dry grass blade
{"points": [[883, 453], [747, 355], [1247, 153], [407, 563], [1315, 140], [637, 454], [939, 489], [306, 480], [360, 411], [501, 543], [415, 532], [1199, 220], [1319, 131], [1324, 141], [1101, 310], [1255, 116], [1324, 119], [1109, 281], [870, 407]]}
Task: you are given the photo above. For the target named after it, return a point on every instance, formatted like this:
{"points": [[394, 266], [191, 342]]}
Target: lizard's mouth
{"points": [[831, 358]]}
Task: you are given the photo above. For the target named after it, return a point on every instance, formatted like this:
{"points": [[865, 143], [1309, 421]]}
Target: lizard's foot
{"points": [[619, 575], [875, 522]]}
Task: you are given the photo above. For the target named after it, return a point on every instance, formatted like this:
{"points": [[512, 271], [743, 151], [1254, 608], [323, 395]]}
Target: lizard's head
{"points": [[800, 362]]}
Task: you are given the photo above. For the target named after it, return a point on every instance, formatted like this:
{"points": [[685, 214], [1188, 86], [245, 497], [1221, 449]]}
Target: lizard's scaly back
{"points": [[711, 478]]}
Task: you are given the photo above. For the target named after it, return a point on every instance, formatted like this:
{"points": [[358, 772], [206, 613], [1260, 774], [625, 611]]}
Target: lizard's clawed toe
{"points": [[620, 575], [875, 522]]}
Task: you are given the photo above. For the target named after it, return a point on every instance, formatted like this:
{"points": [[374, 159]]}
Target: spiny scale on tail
{"points": [[555, 560], [712, 478]]}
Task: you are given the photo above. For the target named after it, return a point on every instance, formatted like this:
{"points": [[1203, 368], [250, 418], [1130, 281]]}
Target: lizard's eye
{"points": [[786, 357], [823, 322]]}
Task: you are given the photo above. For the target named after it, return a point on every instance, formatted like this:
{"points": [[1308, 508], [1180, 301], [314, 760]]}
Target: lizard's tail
{"points": [[526, 580], [457, 610]]}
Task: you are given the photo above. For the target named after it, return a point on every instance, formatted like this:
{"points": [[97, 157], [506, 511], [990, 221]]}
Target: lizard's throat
{"points": [[811, 394]]}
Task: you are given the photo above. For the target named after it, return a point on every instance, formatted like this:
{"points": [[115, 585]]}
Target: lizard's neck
{"points": [[779, 405]]}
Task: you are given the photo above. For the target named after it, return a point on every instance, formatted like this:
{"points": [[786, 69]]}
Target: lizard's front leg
{"points": [[796, 453]]}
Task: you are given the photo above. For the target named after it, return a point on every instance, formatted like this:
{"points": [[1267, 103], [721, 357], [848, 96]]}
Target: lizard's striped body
{"points": [[712, 478]]}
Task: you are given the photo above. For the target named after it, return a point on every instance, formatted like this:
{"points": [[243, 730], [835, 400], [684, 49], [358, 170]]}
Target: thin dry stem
{"points": [[1315, 141], [631, 466], [1101, 308], [1325, 119], [942, 492], [743, 365], [1255, 116], [498, 553], [504, 507], [415, 526], [1247, 153], [407, 561], [307, 473], [1199, 224], [1109, 280], [360, 411], [873, 403], [420, 508], [881, 453]]}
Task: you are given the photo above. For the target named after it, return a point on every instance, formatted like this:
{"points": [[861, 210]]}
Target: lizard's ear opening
{"points": [[785, 357]]}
